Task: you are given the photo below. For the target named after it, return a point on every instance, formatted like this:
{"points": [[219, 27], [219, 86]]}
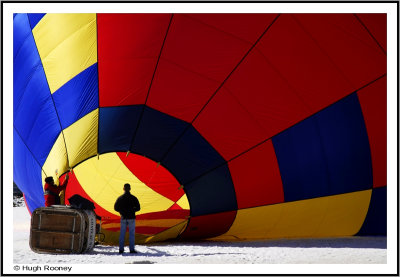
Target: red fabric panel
{"points": [[128, 48], [297, 59], [244, 26], [302, 64], [112, 221], [176, 207], [373, 104], [228, 126], [208, 226], [257, 177], [179, 92], [74, 187], [113, 229], [26, 205], [153, 175], [149, 230], [347, 44], [199, 53], [168, 214], [376, 24], [256, 104]]}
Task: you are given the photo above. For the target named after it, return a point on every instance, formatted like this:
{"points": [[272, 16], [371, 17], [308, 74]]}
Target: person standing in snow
{"points": [[51, 191], [127, 205]]}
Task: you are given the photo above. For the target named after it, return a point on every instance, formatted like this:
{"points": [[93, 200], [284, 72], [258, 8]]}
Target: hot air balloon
{"points": [[227, 126]]}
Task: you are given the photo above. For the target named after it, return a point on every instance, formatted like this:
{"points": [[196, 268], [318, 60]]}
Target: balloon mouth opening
{"points": [[164, 205]]}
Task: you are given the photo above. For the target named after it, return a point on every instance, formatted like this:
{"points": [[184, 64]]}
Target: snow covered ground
{"points": [[205, 256]]}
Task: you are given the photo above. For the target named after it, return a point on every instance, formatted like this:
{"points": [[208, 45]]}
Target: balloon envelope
{"points": [[227, 126]]}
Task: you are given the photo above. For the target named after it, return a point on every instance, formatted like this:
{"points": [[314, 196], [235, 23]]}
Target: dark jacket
{"points": [[127, 205]]}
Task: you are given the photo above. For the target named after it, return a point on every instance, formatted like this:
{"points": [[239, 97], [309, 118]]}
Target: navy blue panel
{"points": [[195, 153], [116, 127], [34, 18], [77, 97], [346, 146], [188, 159], [212, 193], [156, 133], [376, 220], [301, 162], [326, 154], [27, 174]]}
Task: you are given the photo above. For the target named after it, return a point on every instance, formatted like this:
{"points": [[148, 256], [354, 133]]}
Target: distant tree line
{"points": [[16, 190]]}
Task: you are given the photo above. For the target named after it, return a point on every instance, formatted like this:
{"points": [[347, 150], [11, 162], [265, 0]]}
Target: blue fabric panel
{"points": [[212, 193], [375, 223], [346, 146], [326, 154], [156, 133], [77, 97], [193, 151], [301, 162], [188, 160], [34, 113], [27, 174], [21, 31], [26, 59], [32, 203], [36, 119], [34, 18], [116, 127]]}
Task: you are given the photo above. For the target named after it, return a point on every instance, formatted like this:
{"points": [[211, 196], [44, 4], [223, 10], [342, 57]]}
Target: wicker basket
{"points": [[61, 229]]}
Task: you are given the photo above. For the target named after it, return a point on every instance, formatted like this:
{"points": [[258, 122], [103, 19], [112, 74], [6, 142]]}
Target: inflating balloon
{"points": [[227, 126]]}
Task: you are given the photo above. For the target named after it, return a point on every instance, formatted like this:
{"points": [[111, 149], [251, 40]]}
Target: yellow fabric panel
{"points": [[346, 214], [103, 179], [183, 202], [139, 239], [338, 215], [171, 233], [56, 160], [147, 223], [158, 222], [112, 238], [300, 218], [110, 225], [62, 197], [254, 222], [67, 44], [81, 138]]}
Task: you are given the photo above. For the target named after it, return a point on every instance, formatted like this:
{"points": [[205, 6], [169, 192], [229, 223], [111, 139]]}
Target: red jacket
{"points": [[51, 193]]}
